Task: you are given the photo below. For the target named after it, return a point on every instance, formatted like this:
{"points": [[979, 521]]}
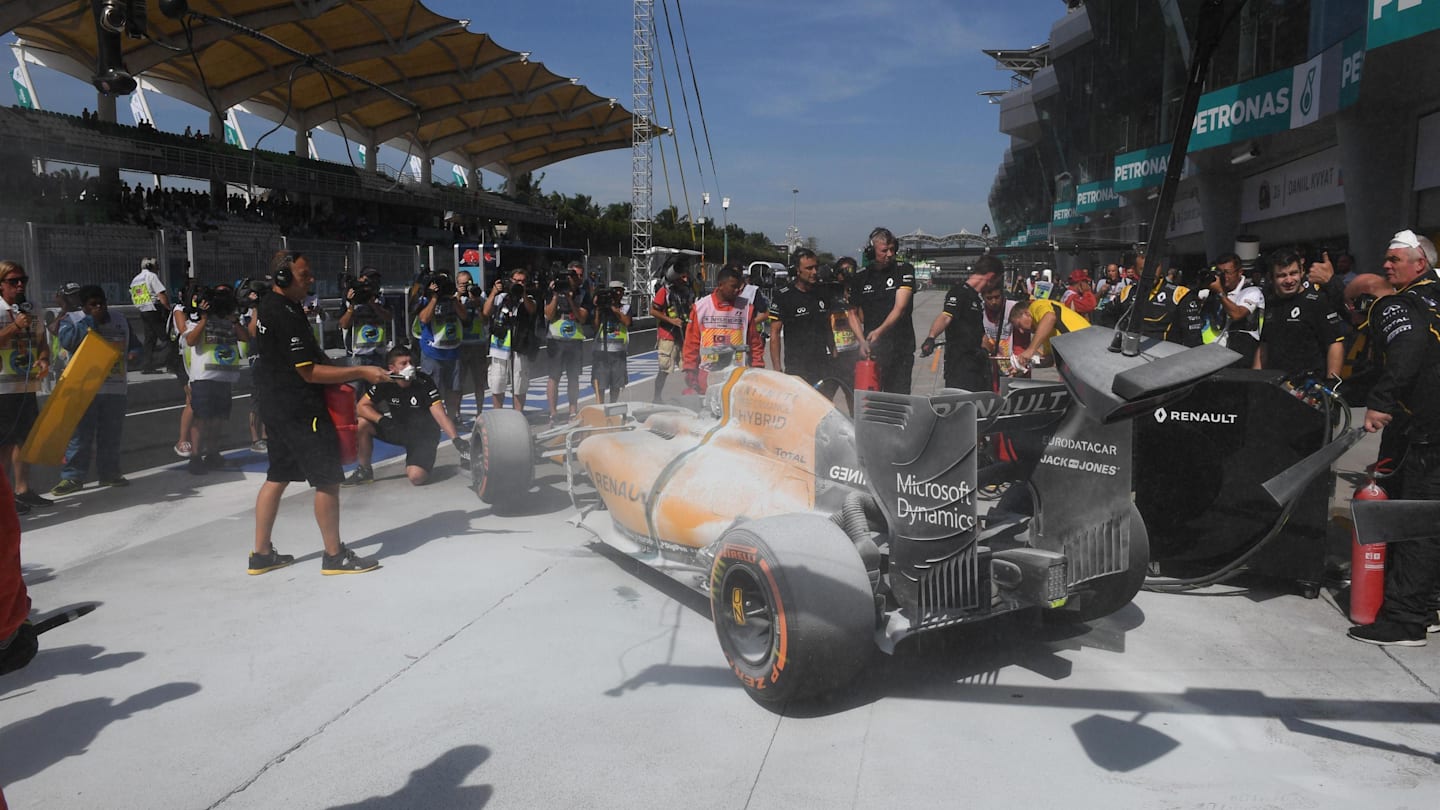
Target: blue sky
{"points": [[868, 107]]}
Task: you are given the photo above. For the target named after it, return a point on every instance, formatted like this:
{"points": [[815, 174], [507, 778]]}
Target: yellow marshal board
{"points": [[89, 366]]}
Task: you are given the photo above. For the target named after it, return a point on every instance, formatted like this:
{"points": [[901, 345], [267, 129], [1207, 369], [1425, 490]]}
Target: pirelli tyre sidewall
{"points": [[792, 606], [503, 461]]}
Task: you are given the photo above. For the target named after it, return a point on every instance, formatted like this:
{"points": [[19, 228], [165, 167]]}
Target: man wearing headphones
{"points": [[883, 292], [303, 444]]}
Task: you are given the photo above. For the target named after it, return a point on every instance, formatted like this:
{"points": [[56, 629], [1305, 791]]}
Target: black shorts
{"points": [[418, 439], [565, 357], [210, 399], [302, 449], [609, 370], [17, 416]]}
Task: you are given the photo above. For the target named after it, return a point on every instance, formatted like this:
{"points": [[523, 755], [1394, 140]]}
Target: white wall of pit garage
{"points": [[1427, 173], [1299, 201]]}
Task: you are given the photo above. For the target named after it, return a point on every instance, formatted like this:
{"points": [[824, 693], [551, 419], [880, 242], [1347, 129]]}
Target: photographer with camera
{"points": [[403, 411], [1234, 309], [99, 431], [670, 307], [366, 321], [249, 291], [303, 444], [441, 315], [566, 308], [608, 368], [212, 346], [24, 362], [511, 311], [474, 339]]}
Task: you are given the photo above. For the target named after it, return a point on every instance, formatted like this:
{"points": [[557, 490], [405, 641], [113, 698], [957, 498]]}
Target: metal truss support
{"points": [[642, 142]]}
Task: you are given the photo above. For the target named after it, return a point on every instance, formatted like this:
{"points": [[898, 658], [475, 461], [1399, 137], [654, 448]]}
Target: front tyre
{"points": [[792, 606], [502, 464]]}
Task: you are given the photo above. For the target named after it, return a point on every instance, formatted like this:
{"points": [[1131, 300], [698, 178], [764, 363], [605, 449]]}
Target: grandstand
{"points": [[396, 74]]}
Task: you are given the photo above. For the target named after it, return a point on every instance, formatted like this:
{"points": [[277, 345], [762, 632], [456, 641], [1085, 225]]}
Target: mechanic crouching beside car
{"points": [[721, 331]]}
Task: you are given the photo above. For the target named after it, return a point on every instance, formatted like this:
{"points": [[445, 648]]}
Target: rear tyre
{"points": [[1111, 593], [502, 462], [792, 606]]}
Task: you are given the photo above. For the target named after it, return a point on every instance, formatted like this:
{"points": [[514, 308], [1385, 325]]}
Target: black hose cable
{"points": [[284, 116]]}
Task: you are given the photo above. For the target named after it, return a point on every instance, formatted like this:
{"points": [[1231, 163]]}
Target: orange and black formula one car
{"points": [[818, 539]]}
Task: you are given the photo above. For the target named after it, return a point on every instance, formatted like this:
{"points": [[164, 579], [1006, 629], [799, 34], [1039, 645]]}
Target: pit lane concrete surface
{"points": [[505, 662]]}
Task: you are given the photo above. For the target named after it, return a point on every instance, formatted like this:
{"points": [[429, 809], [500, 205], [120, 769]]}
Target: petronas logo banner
{"points": [[22, 93]]}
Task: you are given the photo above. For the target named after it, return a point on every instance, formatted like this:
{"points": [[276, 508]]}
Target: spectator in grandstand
{"points": [[474, 339], [441, 315], [883, 293], [147, 293], [513, 345], [567, 309], [212, 342], [24, 362], [100, 430]]}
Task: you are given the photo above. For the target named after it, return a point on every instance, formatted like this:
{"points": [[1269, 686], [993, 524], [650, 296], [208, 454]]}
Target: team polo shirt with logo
{"points": [[287, 343], [1298, 332], [874, 291], [804, 316]]}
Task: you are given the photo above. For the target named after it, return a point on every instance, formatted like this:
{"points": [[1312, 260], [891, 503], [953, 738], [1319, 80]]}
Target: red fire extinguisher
{"points": [[867, 376], [340, 402], [1367, 563]]}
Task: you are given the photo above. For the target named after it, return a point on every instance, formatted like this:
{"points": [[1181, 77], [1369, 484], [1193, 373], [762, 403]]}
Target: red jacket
{"points": [[715, 324], [14, 601]]}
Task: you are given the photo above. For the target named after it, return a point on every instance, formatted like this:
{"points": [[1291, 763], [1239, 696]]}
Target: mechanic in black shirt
{"points": [[303, 444], [801, 330], [967, 363], [404, 412], [1302, 332], [1406, 329], [883, 292], [1171, 312]]}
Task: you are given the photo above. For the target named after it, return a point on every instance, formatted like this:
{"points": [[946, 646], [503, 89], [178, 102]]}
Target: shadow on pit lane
{"points": [[35, 744], [438, 784], [77, 659], [547, 497], [35, 574], [407, 538]]}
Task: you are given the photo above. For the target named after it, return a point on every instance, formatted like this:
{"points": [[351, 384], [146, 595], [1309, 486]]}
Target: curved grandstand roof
{"points": [[470, 100]]}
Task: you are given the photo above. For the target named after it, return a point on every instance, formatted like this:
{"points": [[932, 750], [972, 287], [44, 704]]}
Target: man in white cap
{"points": [[148, 295], [1402, 326]]}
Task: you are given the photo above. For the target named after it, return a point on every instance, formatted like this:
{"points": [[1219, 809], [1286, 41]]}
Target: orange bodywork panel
{"points": [[684, 478]]}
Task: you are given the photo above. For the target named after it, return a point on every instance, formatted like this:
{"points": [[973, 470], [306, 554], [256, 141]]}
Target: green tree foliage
{"points": [[605, 230]]}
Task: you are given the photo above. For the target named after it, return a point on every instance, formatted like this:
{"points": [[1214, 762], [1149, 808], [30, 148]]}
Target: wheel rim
{"points": [[744, 598]]}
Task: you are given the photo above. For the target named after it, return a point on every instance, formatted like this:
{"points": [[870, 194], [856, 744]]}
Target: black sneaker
{"points": [[347, 562], [261, 563], [215, 461], [197, 466], [34, 498], [22, 508], [361, 475], [1387, 634]]}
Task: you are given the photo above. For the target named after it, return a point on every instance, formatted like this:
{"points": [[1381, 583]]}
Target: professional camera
{"points": [[443, 283], [1208, 276], [250, 290], [618, 296], [561, 284], [221, 301], [516, 292], [364, 287]]}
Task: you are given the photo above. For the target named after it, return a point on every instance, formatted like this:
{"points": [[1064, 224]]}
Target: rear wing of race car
{"points": [[1117, 386]]}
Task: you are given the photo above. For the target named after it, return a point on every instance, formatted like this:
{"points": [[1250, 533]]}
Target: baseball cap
{"points": [[70, 288], [1079, 275], [617, 285]]}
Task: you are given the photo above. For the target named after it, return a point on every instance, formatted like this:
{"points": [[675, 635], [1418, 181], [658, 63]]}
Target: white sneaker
{"points": [[1434, 625]]}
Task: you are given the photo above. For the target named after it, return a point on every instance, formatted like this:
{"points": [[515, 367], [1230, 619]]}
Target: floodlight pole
{"points": [[725, 216], [641, 141]]}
